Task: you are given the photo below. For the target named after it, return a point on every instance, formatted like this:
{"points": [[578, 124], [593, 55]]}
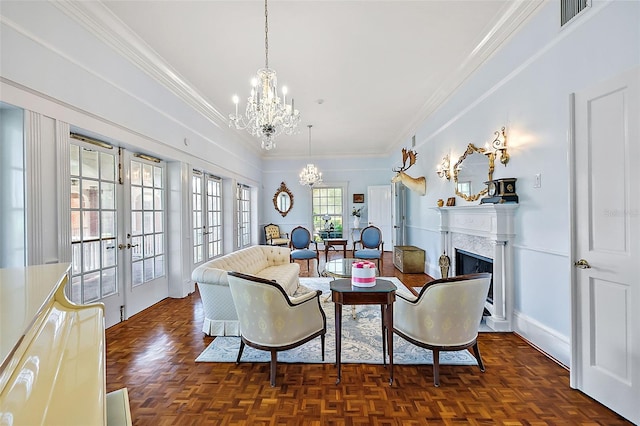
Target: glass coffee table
{"points": [[341, 268]]}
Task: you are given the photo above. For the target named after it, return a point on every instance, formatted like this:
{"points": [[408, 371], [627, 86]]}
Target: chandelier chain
{"points": [[266, 35]]}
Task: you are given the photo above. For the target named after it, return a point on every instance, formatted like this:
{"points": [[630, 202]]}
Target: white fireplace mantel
{"points": [[488, 230]]}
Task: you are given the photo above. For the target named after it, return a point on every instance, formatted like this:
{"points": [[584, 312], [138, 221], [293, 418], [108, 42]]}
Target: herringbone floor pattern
{"points": [[153, 355]]}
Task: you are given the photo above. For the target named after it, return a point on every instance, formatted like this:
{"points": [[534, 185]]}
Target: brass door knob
{"points": [[582, 264]]}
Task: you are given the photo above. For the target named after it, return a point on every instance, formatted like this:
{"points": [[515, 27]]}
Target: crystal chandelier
{"points": [[266, 115], [310, 175]]}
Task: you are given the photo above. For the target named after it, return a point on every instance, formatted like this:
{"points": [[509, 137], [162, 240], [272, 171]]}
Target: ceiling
{"points": [[365, 74]]}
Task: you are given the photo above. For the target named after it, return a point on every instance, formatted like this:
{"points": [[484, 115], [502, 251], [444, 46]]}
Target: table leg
{"points": [[344, 250], [383, 321], [390, 340], [326, 252], [338, 311]]}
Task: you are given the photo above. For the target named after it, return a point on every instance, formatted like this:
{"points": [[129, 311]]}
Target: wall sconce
{"points": [[499, 145], [444, 167]]}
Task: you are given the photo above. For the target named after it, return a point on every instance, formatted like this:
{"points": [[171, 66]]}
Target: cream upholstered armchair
{"points": [[444, 316], [274, 237], [272, 321]]}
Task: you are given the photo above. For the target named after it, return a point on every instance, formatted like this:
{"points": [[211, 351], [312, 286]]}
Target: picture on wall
{"points": [[358, 198]]}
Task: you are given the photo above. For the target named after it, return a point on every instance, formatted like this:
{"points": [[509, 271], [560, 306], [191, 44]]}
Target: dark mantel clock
{"points": [[500, 191]]}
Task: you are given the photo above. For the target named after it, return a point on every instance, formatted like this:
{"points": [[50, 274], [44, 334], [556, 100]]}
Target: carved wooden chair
{"points": [[274, 237]]}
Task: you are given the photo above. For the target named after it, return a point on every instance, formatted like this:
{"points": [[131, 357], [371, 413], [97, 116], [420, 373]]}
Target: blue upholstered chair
{"points": [[372, 244], [299, 245]]}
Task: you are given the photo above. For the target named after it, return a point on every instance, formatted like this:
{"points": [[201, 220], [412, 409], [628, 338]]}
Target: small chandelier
{"points": [[310, 175], [266, 115]]}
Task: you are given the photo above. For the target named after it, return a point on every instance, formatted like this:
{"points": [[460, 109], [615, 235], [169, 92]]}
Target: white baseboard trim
{"points": [[432, 270], [546, 339]]}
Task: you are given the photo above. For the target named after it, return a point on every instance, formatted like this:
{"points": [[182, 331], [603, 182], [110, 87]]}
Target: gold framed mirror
{"points": [[472, 170], [283, 199]]}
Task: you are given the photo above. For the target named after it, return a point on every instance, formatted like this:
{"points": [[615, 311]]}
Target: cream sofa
{"points": [[269, 262]]}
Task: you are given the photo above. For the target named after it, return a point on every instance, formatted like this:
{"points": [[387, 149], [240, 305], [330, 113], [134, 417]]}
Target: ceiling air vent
{"points": [[570, 8]]}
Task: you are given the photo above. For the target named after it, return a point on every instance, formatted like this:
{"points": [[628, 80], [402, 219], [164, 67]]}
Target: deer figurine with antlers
{"points": [[419, 184]]}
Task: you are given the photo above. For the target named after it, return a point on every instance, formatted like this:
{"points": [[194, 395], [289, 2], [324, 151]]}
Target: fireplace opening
{"points": [[471, 263]]}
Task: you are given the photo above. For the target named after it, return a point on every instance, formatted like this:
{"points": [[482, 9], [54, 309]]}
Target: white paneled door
{"points": [[379, 213], [606, 287]]}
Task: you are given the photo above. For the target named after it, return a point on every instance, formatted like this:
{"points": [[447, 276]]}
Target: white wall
{"points": [[526, 87], [357, 174]]}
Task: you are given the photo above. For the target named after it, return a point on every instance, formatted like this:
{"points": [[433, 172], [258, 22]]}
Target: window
{"points": [[243, 195], [328, 211]]}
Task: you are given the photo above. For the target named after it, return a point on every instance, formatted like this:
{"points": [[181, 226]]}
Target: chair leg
{"points": [[240, 351], [322, 344], [476, 352], [274, 362], [436, 368]]}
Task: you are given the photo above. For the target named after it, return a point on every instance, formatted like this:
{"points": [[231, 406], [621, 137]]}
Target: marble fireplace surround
{"points": [[487, 230]]}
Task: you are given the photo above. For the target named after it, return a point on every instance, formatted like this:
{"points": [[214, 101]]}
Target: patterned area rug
{"points": [[361, 340]]}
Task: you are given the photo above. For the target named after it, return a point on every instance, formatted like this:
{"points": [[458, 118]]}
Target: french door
{"points": [[243, 198], [206, 200], [118, 230], [95, 199], [145, 257]]}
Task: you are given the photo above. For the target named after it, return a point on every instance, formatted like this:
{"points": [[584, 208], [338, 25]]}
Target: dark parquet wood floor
{"points": [[153, 355]]}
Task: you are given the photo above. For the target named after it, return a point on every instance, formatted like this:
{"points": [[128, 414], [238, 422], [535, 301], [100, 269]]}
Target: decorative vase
{"points": [[356, 222]]}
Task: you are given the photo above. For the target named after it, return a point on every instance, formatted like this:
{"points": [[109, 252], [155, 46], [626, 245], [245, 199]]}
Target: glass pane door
{"points": [[94, 228], [147, 222], [243, 197], [145, 233], [206, 205], [214, 216]]}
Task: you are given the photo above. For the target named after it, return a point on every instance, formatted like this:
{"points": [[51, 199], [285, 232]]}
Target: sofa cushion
{"points": [[285, 275]]}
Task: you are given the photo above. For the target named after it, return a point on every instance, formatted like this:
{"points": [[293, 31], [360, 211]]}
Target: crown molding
{"points": [[515, 15], [100, 21]]}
